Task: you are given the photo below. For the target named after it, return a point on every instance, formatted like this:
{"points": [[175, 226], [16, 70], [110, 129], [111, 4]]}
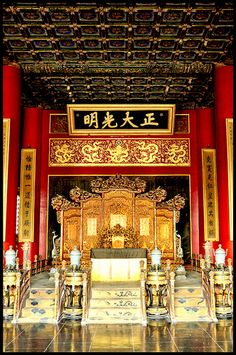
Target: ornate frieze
{"points": [[112, 152], [118, 182], [176, 203], [60, 203], [77, 194], [158, 194]]}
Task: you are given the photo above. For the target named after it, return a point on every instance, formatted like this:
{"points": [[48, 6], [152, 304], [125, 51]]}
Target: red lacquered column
{"points": [[12, 109], [223, 89], [44, 185], [31, 138], [206, 140]]}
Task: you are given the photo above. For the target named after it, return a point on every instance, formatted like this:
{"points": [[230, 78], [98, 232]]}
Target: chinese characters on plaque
{"points": [[116, 119], [210, 195], [27, 195], [59, 123]]}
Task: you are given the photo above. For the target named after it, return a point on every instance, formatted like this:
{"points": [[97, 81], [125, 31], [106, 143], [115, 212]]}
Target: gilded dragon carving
{"points": [[77, 194], [91, 152], [176, 203], [147, 152], [176, 154], [60, 203], [63, 153], [158, 194], [118, 154]]}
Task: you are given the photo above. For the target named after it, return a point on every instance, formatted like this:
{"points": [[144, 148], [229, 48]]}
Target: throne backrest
{"points": [[118, 241]]}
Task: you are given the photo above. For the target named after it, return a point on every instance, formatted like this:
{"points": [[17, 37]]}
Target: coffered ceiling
{"points": [[118, 52]]}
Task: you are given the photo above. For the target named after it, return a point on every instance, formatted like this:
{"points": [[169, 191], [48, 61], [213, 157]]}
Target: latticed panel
{"points": [[165, 222], [71, 231], [118, 208], [145, 223]]}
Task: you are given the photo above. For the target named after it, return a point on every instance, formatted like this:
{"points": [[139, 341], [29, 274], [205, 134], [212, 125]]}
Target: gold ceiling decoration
{"points": [[118, 52]]}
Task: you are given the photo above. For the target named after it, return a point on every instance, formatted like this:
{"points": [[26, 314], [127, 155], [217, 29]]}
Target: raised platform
{"points": [[117, 264]]}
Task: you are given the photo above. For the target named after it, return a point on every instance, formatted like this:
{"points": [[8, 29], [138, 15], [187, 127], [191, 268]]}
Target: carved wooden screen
{"points": [[143, 220], [165, 224], [71, 231], [145, 223], [92, 222], [118, 208]]}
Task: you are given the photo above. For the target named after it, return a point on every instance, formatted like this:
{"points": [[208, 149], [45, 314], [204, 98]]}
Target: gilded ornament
{"points": [[158, 194], [147, 152], [177, 202], [77, 194], [118, 154], [176, 154], [118, 182], [78, 152], [91, 152], [63, 153], [60, 203], [106, 235]]}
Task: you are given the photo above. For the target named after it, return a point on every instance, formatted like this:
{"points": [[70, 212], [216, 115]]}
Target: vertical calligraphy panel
{"points": [[210, 195], [6, 142], [229, 140], [27, 195]]}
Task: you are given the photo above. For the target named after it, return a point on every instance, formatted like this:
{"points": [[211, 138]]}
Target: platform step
{"points": [[37, 312], [40, 302], [189, 301], [115, 293], [42, 293], [109, 316], [191, 311], [188, 292], [114, 303]]}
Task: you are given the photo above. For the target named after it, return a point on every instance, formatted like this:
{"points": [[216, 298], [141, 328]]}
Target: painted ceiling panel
{"points": [[125, 51]]}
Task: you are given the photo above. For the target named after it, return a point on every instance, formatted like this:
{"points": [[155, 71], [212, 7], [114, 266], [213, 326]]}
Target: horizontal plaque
{"points": [[120, 119], [111, 151]]}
